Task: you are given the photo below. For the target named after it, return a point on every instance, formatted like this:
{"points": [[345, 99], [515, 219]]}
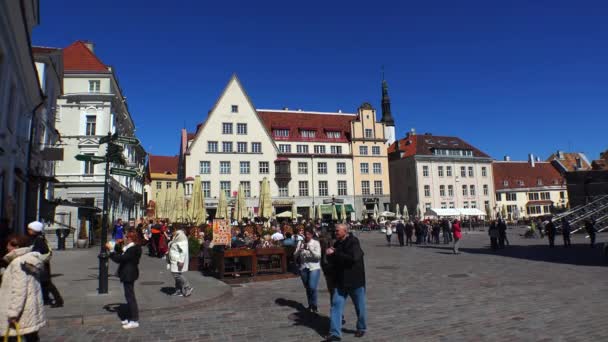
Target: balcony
{"points": [[282, 168]]}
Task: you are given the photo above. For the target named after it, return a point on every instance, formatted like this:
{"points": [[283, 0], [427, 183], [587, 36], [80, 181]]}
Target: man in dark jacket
{"points": [[34, 230], [502, 233], [127, 258], [566, 229], [445, 227], [346, 258], [590, 228], [400, 232]]}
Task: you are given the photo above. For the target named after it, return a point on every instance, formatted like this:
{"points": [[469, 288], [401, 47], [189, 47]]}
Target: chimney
{"points": [[531, 159], [560, 155], [507, 158], [579, 163], [89, 44], [412, 132], [285, 108], [339, 110]]}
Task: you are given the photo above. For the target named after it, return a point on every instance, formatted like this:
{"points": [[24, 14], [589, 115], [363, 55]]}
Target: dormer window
{"points": [[234, 109], [280, 132], [505, 183], [539, 181], [333, 134], [520, 182], [308, 133]]}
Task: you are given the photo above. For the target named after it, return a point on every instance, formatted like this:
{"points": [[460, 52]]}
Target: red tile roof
{"points": [[78, 58], [425, 144], [190, 135], [163, 164], [602, 163], [568, 162], [296, 121], [521, 174]]}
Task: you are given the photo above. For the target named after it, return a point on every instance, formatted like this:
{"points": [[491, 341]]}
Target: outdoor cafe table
{"points": [[280, 251], [236, 253]]}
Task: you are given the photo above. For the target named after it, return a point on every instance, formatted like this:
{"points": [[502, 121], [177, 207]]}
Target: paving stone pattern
{"points": [[527, 292]]}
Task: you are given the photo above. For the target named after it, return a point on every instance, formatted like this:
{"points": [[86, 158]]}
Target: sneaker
{"points": [[131, 325], [188, 292], [178, 293], [125, 322]]}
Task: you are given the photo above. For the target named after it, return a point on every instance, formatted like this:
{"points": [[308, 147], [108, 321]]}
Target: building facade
{"points": [[428, 171], [528, 189], [161, 177], [569, 161], [370, 162], [92, 106]]}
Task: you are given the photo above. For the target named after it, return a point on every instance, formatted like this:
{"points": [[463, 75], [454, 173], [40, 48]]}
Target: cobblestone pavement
{"points": [[526, 292]]}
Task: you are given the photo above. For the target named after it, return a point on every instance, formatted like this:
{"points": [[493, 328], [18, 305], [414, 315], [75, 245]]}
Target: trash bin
{"points": [[62, 234]]}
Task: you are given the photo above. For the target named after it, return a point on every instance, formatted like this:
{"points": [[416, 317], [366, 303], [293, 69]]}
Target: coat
{"points": [[347, 263], [308, 255], [20, 291], [178, 252], [128, 261], [400, 228], [456, 229]]}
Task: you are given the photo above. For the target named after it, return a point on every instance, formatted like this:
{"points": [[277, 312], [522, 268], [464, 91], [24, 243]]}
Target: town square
{"points": [[207, 171]]}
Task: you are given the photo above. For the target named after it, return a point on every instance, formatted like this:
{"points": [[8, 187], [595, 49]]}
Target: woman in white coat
{"points": [[308, 255], [177, 259], [20, 293]]}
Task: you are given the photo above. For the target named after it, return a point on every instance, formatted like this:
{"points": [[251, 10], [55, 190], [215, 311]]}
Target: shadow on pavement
{"points": [[119, 308], [320, 324], [168, 290]]}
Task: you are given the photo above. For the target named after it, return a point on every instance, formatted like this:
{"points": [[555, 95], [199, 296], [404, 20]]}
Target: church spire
{"points": [[387, 117]]}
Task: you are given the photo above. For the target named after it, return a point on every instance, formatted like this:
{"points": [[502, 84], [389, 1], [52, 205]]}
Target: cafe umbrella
{"points": [[406, 214], [241, 209], [222, 206], [397, 211], [334, 213], [343, 213], [294, 211], [178, 207], [197, 213]]}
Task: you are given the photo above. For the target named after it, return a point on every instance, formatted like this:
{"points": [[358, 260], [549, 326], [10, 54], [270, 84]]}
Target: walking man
{"points": [[550, 230], [502, 233], [346, 257], [566, 232], [400, 232], [590, 228], [445, 227], [409, 231]]}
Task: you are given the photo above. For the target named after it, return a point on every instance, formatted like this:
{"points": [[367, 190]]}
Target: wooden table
{"points": [[274, 251], [220, 261]]}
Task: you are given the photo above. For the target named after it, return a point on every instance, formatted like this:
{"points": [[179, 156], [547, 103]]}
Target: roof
{"points": [[190, 135], [78, 58], [296, 121], [44, 49], [163, 164], [423, 145], [602, 163], [521, 174], [567, 160]]}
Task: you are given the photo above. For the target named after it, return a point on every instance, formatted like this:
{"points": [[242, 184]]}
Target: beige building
{"points": [[161, 177], [370, 162]]}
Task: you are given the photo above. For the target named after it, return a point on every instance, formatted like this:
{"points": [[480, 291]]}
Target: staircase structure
{"points": [[596, 210]]}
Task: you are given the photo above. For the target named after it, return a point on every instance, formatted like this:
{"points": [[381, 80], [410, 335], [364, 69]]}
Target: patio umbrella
{"points": [[334, 213], [363, 214], [397, 211], [343, 213], [311, 212], [240, 208], [294, 211], [197, 213], [178, 207], [375, 212], [169, 202], [318, 212], [406, 214], [160, 204], [222, 206], [261, 199]]}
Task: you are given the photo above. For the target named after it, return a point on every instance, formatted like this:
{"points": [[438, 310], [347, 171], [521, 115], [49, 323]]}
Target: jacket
{"points": [[128, 260], [309, 257], [178, 252], [457, 230], [20, 291], [347, 263], [400, 228]]}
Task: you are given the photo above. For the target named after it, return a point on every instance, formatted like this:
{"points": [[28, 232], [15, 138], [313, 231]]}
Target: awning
{"points": [[440, 212], [471, 212], [326, 209], [545, 202], [349, 208]]}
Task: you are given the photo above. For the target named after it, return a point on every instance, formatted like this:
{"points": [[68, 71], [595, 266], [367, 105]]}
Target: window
{"points": [[539, 181], [225, 187], [303, 149], [533, 196], [89, 167], [486, 205], [364, 168], [485, 190], [470, 171], [205, 167], [472, 190], [363, 150], [225, 167], [159, 185], [547, 209], [440, 171], [234, 109], [168, 185], [545, 196], [241, 128], [450, 191], [427, 206], [206, 185], [336, 149], [264, 167], [212, 146], [425, 171], [303, 188], [378, 187], [342, 190], [444, 205], [280, 133], [365, 188], [377, 168], [91, 125], [369, 133], [465, 204], [442, 190], [246, 188], [241, 147], [511, 196], [256, 147], [244, 167], [94, 86], [302, 168], [319, 149], [452, 205], [283, 190], [427, 191], [227, 146], [322, 168], [341, 168], [227, 128], [308, 133], [448, 171], [484, 171], [562, 195], [333, 134], [464, 190], [498, 197], [284, 148], [323, 191], [505, 183], [463, 171], [533, 210], [376, 150]]}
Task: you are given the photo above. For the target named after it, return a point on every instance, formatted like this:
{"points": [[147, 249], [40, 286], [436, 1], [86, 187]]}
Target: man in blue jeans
{"points": [[346, 258]]}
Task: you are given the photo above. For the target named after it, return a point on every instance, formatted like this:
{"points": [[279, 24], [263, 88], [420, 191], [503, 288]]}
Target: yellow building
{"points": [[161, 176], [370, 162]]}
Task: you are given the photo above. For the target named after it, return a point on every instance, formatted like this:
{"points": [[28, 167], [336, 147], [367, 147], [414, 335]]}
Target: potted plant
{"points": [[83, 237], [194, 248]]}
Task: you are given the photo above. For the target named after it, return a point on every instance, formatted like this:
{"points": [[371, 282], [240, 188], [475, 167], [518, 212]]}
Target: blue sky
{"points": [[512, 78]]}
